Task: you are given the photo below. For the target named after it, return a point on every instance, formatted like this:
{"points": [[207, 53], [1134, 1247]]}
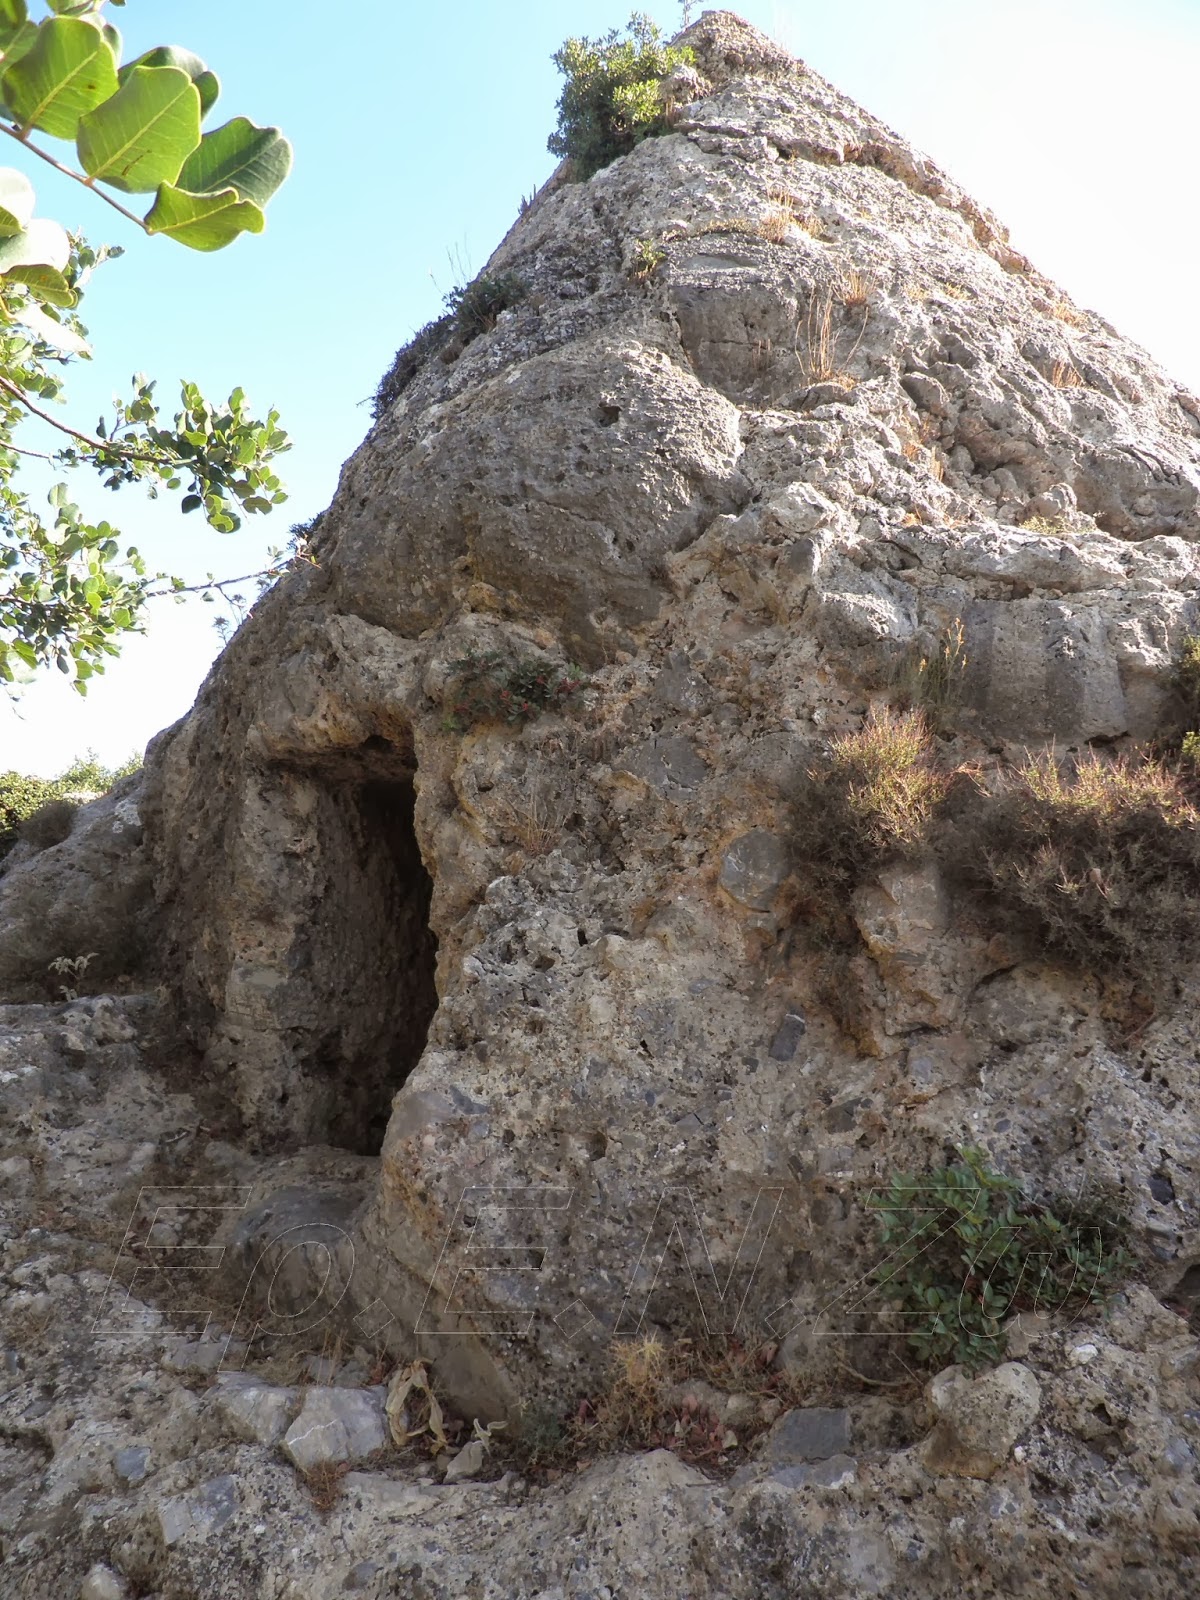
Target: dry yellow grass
{"points": [[1063, 311], [761, 352], [818, 339], [917, 445], [857, 288], [776, 224], [1064, 376]]}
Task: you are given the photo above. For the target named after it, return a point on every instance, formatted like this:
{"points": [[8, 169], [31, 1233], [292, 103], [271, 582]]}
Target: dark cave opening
{"points": [[363, 964]]}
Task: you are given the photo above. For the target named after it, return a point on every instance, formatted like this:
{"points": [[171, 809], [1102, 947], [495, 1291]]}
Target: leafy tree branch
{"points": [[67, 590]]}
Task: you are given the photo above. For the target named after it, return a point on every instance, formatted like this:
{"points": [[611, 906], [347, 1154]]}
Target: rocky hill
{"points": [[725, 755]]}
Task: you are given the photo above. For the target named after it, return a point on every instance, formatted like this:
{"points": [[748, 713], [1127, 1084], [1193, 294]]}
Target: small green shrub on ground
{"points": [[1098, 863], [610, 101], [49, 824], [492, 687], [967, 1249]]}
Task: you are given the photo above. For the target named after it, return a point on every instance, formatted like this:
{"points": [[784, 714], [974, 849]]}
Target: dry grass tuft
{"points": [[1064, 376], [873, 797], [933, 683], [1096, 861], [776, 224], [857, 288], [659, 1396], [325, 1483], [1046, 525], [818, 339], [1062, 310]]}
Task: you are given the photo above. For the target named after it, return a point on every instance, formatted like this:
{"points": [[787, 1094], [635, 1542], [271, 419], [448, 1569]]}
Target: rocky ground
{"points": [[419, 1032]]}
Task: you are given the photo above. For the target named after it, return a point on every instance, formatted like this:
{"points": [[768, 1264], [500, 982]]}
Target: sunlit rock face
{"points": [[517, 1025]]}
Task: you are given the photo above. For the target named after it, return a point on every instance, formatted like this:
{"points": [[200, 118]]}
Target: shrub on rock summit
{"points": [[610, 101]]}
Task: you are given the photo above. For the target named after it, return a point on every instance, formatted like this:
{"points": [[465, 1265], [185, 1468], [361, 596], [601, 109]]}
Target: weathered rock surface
{"points": [[494, 1045], [88, 896]]}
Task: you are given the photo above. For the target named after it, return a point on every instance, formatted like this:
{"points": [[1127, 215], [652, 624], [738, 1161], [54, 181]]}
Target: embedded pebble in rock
{"points": [[102, 1583], [980, 1419], [199, 1513], [753, 869], [336, 1425], [811, 1433], [258, 1412], [478, 1053]]}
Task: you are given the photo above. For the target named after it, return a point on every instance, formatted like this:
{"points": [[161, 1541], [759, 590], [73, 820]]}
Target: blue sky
{"points": [[417, 131]]}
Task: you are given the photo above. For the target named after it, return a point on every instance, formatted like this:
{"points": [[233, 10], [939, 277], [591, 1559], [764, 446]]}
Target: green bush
{"points": [[610, 101], [967, 1248], [22, 798], [476, 306], [492, 687]]}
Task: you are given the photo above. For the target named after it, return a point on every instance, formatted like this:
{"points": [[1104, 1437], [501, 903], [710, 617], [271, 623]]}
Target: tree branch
{"points": [[108, 446], [220, 584], [69, 172], [38, 455]]}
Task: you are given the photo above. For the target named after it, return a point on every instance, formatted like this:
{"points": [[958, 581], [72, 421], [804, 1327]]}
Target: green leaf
{"points": [[172, 55], [51, 332], [142, 135], [252, 160], [13, 21], [69, 71], [203, 221], [16, 201], [38, 256]]}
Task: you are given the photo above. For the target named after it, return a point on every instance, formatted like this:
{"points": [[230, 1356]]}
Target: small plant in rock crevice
{"points": [[648, 256], [471, 309], [968, 1248], [610, 101], [490, 687], [1185, 679], [932, 681], [871, 798], [72, 967], [476, 306]]}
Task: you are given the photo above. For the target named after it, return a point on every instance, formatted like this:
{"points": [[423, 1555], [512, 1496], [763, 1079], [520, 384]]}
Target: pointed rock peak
{"points": [[727, 46]]}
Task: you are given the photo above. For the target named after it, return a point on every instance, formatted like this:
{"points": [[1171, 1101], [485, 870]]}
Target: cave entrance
{"points": [[363, 956]]}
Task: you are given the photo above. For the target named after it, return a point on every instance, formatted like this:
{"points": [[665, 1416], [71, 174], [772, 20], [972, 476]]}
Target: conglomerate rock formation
{"points": [[498, 1042]]}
